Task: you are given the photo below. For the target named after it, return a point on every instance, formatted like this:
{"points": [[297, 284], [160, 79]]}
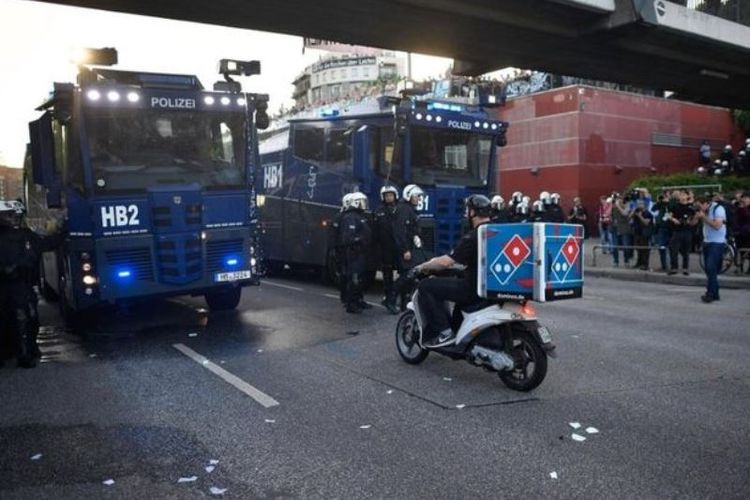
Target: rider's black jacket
{"points": [[21, 251]]}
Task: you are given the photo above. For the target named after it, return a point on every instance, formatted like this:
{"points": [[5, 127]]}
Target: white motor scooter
{"points": [[503, 337]]}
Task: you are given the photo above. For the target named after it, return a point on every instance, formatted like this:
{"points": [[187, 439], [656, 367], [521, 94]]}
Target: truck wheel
{"points": [[224, 299]]}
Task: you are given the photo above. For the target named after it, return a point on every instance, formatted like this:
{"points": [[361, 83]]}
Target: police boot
{"points": [[25, 357], [24, 354], [389, 302]]}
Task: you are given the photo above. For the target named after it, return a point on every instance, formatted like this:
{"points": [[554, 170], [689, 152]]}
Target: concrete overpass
{"points": [[651, 43]]}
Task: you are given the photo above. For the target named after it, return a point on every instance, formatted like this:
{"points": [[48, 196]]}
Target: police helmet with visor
{"points": [[479, 203]]}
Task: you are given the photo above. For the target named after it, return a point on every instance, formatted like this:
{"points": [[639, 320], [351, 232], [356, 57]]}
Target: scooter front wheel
{"points": [[407, 339], [530, 363]]}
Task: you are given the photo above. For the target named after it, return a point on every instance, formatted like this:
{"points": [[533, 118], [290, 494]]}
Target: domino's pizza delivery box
{"points": [[530, 261]]}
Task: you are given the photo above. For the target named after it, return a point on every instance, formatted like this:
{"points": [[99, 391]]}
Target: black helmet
{"points": [[480, 204]]}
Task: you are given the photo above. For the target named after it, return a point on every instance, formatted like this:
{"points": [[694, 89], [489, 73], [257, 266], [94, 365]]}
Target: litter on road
{"points": [[213, 462], [210, 468], [575, 425], [37, 456], [270, 421], [365, 426], [389, 391], [187, 479], [447, 379], [577, 437], [192, 334], [553, 475], [217, 491], [460, 406], [108, 482], [260, 350], [592, 430]]}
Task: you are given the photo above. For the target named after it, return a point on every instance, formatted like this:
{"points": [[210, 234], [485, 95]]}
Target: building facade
{"points": [[586, 141], [11, 183], [346, 77]]}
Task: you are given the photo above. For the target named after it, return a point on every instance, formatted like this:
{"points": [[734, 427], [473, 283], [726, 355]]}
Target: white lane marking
{"points": [[230, 378], [288, 287]]}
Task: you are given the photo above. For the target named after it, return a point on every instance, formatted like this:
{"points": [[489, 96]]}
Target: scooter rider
{"points": [[385, 218], [353, 240], [407, 237], [435, 291], [19, 259], [500, 213]]}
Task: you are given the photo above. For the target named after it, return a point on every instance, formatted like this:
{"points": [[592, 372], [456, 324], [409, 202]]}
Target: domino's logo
{"points": [[565, 259], [510, 259]]}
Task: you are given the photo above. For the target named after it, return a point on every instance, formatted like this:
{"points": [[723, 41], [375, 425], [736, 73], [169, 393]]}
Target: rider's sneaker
{"points": [[444, 337]]}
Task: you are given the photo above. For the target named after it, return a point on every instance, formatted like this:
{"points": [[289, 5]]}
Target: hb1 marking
{"points": [[120, 215]]}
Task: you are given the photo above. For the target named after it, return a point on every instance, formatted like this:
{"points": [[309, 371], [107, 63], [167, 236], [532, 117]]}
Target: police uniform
{"points": [[501, 216], [386, 226], [20, 255], [407, 228], [353, 239]]}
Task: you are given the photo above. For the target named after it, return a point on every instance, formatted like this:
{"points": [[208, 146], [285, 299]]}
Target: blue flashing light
{"points": [[445, 106], [232, 261], [123, 274]]}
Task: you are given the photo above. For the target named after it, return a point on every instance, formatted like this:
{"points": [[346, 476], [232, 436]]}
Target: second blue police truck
{"points": [[156, 177], [446, 146]]}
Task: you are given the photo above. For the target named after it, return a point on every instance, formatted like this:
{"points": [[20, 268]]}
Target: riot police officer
{"points": [[537, 212], [333, 234], [500, 213], [521, 212], [407, 237], [353, 240], [20, 255], [554, 211], [386, 226]]}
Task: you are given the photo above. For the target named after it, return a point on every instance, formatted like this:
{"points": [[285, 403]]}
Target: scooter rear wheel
{"points": [[530, 362], [407, 339]]}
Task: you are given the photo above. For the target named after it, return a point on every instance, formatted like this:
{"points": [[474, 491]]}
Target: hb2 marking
{"points": [[120, 215]]}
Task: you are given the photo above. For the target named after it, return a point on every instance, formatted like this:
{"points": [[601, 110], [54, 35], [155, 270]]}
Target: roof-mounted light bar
{"points": [[106, 56]]}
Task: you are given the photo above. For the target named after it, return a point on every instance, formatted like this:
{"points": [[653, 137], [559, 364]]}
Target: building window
{"points": [[342, 73], [355, 72]]}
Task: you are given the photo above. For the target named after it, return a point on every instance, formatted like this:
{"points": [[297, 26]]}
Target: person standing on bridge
{"points": [[386, 226], [408, 240], [352, 241]]}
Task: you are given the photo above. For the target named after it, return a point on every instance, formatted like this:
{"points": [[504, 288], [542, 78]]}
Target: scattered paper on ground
{"points": [[37, 456], [217, 491], [260, 350], [192, 334], [447, 379], [187, 479], [270, 421], [553, 475], [592, 430], [92, 355], [213, 462], [577, 437], [109, 482], [460, 406], [575, 425], [365, 426], [389, 391], [210, 468]]}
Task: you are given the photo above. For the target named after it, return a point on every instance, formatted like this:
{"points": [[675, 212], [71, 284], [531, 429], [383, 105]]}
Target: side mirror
{"points": [[43, 170], [363, 167]]}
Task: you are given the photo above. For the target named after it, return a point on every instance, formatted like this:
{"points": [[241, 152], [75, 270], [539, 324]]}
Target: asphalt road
{"points": [[662, 377]]}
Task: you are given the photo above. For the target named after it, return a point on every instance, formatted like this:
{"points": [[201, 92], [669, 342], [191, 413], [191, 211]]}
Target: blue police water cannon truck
{"points": [[156, 176]]}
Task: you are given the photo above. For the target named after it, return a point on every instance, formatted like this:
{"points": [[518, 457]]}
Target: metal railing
{"points": [[737, 11], [621, 247]]}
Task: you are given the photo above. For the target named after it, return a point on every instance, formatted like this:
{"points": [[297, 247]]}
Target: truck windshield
{"points": [[132, 150], [449, 157]]}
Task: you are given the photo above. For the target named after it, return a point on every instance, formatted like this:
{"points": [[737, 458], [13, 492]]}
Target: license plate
{"points": [[233, 276], [545, 335]]}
